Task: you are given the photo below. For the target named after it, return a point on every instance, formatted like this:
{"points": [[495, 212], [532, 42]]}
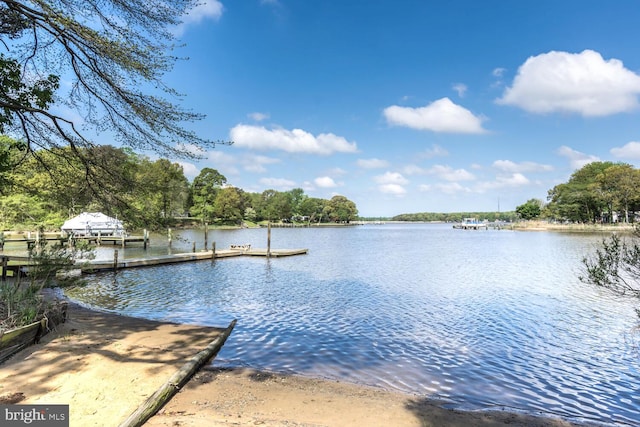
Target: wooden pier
{"points": [[20, 264], [31, 242]]}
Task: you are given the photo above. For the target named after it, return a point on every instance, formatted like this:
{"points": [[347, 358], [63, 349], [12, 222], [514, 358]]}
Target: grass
{"points": [[21, 300]]}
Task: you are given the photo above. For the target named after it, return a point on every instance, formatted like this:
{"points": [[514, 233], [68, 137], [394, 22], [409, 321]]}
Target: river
{"points": [[490, 319]]}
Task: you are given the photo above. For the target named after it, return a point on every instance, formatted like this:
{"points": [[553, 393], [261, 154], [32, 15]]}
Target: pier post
{"points": [[193, 249], [145, 239], [206, 236], [1, 240], [269, 239], [169, 237], [123, 240], [213, 252], [115, 260], [5, 260]]}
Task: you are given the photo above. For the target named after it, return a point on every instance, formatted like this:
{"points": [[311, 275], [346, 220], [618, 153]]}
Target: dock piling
{"points": [[5, 260], [115, 260], [269, 239]]}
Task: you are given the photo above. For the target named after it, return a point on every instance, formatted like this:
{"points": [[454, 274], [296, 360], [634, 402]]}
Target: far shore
{"points": [[578, 227], [104, 366]]}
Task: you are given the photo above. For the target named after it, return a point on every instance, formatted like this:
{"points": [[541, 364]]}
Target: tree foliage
{"points": [[455, 216], [50, 186], [112, 50], [204, 191], [596, 193], [112, 56], [530, 210], [615, 266], [341, 209]]}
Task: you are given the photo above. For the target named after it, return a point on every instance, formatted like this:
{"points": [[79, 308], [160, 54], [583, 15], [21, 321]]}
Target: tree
{"points": [[162, 189], [274, 205], [296, 197], [615, 266], [626, 186], [530, 210], [11, 151], [312, 208], [204, 191], [580, 199], [110, 51], [341, 209], [229, 205]]}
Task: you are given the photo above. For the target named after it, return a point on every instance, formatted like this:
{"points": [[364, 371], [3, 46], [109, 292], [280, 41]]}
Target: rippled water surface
{"points": [[481, 319]]}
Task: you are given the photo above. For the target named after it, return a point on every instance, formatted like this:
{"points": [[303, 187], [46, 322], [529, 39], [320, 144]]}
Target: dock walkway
{"points": [[21, 264]]}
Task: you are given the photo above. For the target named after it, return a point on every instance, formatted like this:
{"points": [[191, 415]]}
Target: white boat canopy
{"points": [[92, 224]]}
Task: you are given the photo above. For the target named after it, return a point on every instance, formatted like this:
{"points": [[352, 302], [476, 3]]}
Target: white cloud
{"points": [[337, 171], [414, 170], [434, 151], [509, 166], [395, 189], [513, 180], [460, 89], [391, 183], [204, 9], [576, 158], [258, 117], [325, 182], [256, 163], [190, 170], [451, 188], [218, 156], [281, 183], [292, 141], [582, 83], [372, 163], [439, 116], [498, 72], [630, 150], [449, 174], [391, 178]]}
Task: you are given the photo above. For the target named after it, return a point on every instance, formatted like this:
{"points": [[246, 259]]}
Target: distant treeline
{"points": [[456, 216]]}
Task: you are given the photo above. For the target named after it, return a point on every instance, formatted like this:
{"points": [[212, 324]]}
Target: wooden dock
{"points": [[20, 265], [98, 240]]}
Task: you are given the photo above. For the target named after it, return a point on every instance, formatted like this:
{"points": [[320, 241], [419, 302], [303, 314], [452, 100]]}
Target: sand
{"points": [[104, 366]]}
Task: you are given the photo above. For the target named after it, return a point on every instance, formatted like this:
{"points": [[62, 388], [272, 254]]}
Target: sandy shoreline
{"points": [[104, 366]]}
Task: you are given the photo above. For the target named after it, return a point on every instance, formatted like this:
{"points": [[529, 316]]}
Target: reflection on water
{"points": [[481, 319]]}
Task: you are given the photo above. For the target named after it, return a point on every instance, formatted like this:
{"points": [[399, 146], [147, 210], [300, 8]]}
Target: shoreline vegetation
{"points": [[104, 365]]}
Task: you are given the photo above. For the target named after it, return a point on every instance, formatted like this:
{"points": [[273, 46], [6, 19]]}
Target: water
{"points": [[479, 319]]}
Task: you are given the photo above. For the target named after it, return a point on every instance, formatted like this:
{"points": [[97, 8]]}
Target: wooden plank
{"points": [[15, 340], [158, 399]]}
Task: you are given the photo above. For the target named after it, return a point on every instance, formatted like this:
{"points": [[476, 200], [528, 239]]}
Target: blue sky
{"points": [[412, 106]]}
